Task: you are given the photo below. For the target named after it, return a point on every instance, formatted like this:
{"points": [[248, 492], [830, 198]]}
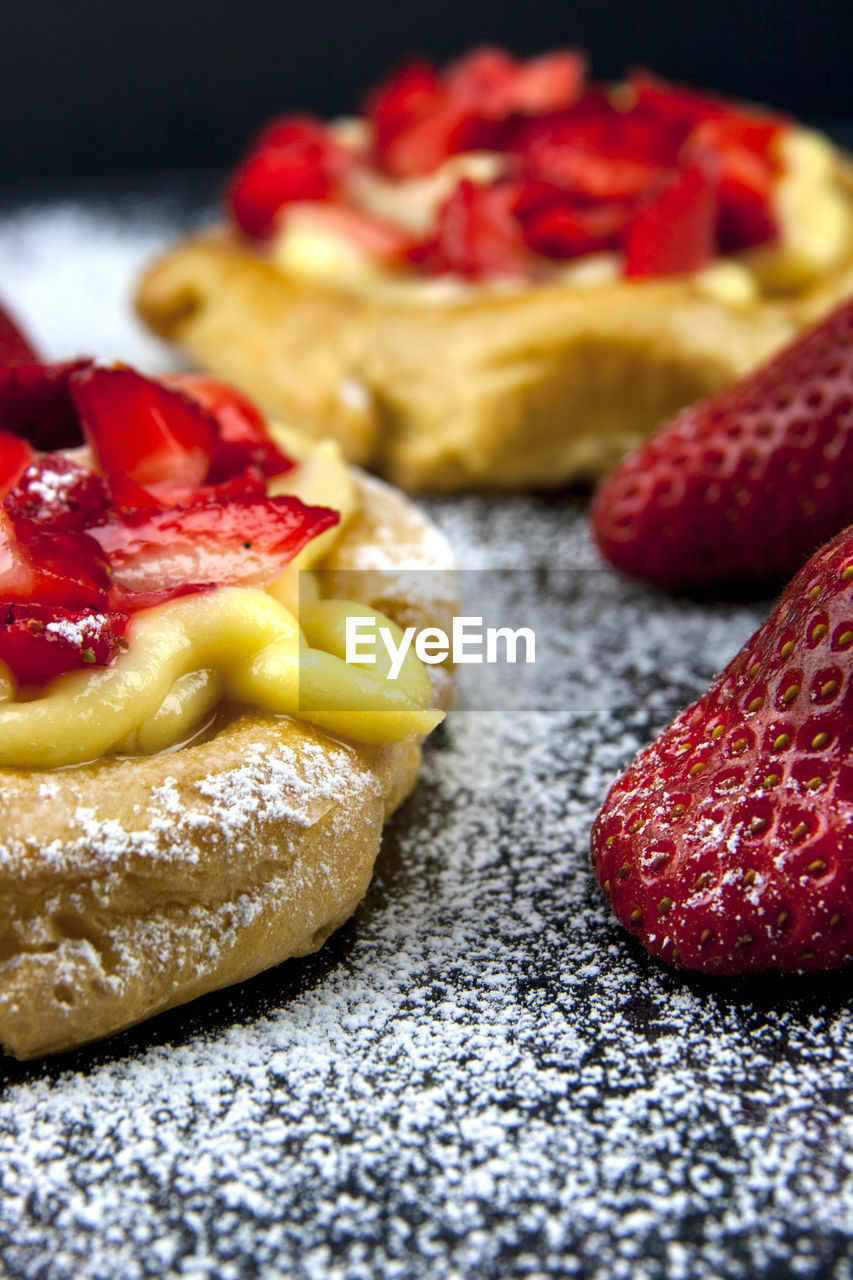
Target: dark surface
{"points": [[95, 88], [481, 1075]]}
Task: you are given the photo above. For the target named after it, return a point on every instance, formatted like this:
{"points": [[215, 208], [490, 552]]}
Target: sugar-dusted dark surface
{"points": [[480, 1075]]}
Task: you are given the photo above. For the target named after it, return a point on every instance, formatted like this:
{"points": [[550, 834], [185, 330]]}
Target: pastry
{"points": [[504, 275], [194, 781]]}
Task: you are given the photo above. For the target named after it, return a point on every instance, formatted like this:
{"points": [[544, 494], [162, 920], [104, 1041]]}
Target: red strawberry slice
{"points": [[673, 233], [478, 234], [49, 566], [550, 82], [563, 230], [58, 491], [243, 543], [421, 118], [15, 456], [15, 346], [747, 483], [122, 599], [683, 108], [496, 84], [596, 152], [40, 642], [293, 158], [408, 94], [133, 503], [152, 433], [747, 173], [36, 404], [727, 845], [242, 437], [425, 144]]}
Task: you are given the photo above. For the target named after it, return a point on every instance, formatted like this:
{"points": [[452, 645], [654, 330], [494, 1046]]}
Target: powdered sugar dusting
{"points": [[481, 1075]]}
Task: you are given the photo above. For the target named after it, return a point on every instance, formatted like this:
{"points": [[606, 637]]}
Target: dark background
{"points": [[105, 87]]}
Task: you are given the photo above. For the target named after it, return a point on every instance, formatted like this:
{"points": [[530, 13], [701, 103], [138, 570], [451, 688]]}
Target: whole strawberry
{"points": [[746, 484], [727, 845]]}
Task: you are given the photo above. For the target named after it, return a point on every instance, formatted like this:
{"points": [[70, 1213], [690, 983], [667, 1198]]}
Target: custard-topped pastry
{"points": [[194, 779], [503, 273]]}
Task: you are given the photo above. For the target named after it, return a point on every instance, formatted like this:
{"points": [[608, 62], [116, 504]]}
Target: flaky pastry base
{"points": [[536, 386], [130, 886]]}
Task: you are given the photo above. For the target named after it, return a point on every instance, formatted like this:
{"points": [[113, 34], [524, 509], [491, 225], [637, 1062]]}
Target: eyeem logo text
{"points": [[468, 641]]}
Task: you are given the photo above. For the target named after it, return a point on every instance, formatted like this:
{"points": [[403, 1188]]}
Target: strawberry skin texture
{"points": [[747, 483], [727, 845]]}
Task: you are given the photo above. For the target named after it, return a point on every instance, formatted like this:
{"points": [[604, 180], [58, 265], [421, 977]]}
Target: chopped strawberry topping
{"points": [[624, 165], [421, 118], [15, 346], [741, 152], [49, 566], [36, 404], [409, 94], [39, 642], [478, 234], [246, 542], [557, 226], [242, 439], [137, 426], [683, 108], [595, 152], [55, 490], [496, 84], [15, 457], [176, 504], [294, 158], [673, 233]]}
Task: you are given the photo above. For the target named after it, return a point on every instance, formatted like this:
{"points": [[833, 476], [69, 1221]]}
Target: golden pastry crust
{"points": [[131, 886], [510, 389]]}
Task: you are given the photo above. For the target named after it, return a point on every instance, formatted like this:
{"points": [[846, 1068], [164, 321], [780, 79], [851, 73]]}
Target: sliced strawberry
{"points": [[425, 144], [122, 599], [746, 483], [727, 845], [683, 108], [563, 230], [421, 119], [15, 346], [747, 175], [50, 566], [56, 491], [485, 77], [496, 84], [15, 456], [242, 437], [478, 235], [673, 233], [596, 152], [36, 404], [152, 433], [294, 158], [40, 642], [243, 543], [131, 501], [549, 82], [408, 94]]}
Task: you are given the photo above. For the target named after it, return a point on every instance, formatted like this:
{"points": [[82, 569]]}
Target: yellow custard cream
{"points": [[236, 643]]}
